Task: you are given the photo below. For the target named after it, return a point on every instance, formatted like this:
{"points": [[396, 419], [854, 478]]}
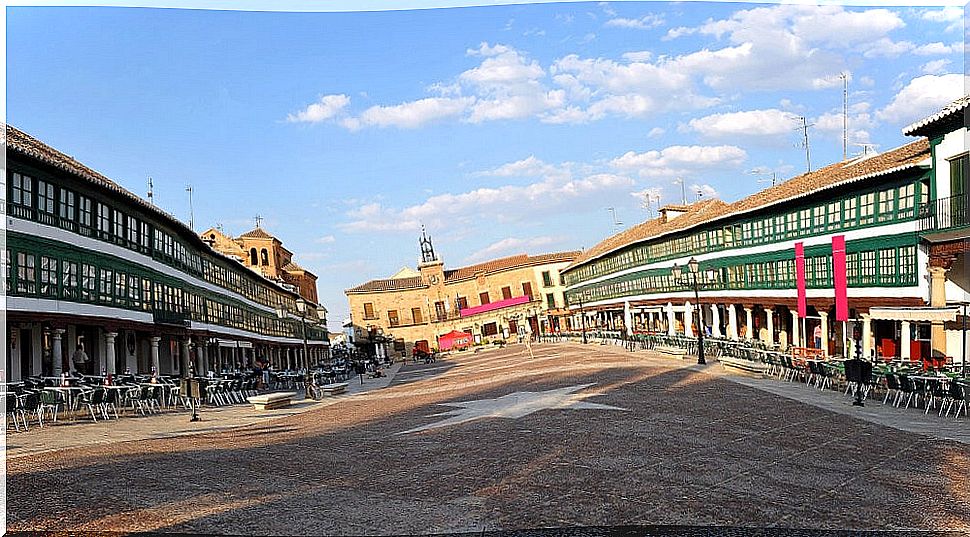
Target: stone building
{"points": [[499, 299], [265, 254]]}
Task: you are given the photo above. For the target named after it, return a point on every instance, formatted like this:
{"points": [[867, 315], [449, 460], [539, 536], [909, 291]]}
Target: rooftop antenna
{"points": [[804, 129], [616, 224], [151, 193], [258, 220], [191, 209], [763, 171], [219, 227], [845, 114], [683, 189], [648, 204], [866, 148]]}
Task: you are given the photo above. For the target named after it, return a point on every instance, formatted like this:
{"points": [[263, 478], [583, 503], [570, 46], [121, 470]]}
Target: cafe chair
{"points": [[50, 401]]}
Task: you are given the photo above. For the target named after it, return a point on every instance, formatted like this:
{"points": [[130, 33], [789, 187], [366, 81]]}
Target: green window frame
{"points": [[89, 282], [907, 265], [866, 208], [834, 215], [121, 289], [887, 205], [546, 279], [105, 285], [69, 279], [887, 265], [22, 190], [805, 217], [959, 174], [26, 273], [867, 267], [45, 197], [818, 220], [48, 276], [67, 205], [850, 213]]}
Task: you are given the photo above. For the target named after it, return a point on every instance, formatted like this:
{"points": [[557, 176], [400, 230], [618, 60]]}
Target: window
{"points": [[907, 265], [546, 279], [959, 175], [887, 265], [551, 301], [265, 257], [805, 217], [121, 288], [104, 221], [866, 203], [119, 221], [527, 289], [45, 197], [84, 211], [905, 196], [66, 205], [834, 215], [792, 225], [48, 276], [462, 303], [852, 267], [483, 298], [132, 231], [368, 310], [819, 220], [134, 292], [69, 279], [416, 315], [392, 318], [6, 270], [145, 233], [849, 215], [562, 280], [88, 282], [506, 293], [867, 267], [26, 273], [105, 284], [887, 202], [21, 190], [253, 259]]}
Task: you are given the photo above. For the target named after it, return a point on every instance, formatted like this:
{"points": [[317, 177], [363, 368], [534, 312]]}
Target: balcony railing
{"points": [[945, 213], [175, 318]]}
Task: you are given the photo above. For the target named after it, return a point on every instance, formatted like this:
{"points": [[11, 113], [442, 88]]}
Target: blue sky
{"points": [[502, 129]]}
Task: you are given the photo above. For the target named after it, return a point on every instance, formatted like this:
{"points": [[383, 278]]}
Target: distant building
{"points": [[266, 255], [494, 300]]}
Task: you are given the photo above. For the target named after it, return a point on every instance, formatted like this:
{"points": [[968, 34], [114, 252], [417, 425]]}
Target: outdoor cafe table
{"points": [[69, 396]]}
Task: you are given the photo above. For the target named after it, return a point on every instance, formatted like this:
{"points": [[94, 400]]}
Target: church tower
{"points": [[431, 268]]}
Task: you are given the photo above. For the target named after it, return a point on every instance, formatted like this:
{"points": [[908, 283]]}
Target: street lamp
{"points": [[693, 270], [301, 307]]}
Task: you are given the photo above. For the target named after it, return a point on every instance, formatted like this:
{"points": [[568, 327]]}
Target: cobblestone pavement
{"points": [[576, 436]]}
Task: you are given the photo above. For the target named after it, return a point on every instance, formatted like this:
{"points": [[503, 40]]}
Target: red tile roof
{"points": [[395, 284], [257, 233], [508, 263], [829, 177]]}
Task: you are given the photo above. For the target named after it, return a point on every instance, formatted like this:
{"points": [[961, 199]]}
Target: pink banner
{"points": [[524, 299], [840, 279], [800, 279]]}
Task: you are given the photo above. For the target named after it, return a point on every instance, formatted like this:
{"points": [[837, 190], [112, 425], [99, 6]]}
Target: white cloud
{"points": [[638, 56], [655, 132], [769, 122], [413, 114], [674, 33], [511, 246], [645, 22], [921, 97], [530, 167], [328, 107], [327, 239], [935, 67], [507, 203], [704, 191], [938, 49], [950, 14], [680, 160]]}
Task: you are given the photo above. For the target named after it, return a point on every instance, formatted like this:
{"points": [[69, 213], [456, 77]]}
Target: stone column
{"points": [[185, 358], [866, 336], [904, 341], [749, 325], [57, 350], [825, 332], [732, 322], [795, 339], [671, 320], [650, 321], [109, 351], [155, 340], [770, 316], [715, 321], [199, 361], [937, 300], [688, 319]]}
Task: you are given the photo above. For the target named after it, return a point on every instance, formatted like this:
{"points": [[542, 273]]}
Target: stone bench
{"points": [[746, 366], [334, 389], [673, 351], [270, 401]]}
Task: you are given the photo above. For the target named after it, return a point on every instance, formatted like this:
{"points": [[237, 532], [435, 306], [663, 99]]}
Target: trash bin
{"points": [[191, 388]]}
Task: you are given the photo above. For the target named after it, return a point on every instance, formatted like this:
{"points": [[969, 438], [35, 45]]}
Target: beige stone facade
{"points": [[423, 307], [265, 254]]}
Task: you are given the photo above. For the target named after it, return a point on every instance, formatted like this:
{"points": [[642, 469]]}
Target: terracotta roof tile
{"points": [[395, 284], [506, 263], [257, 233], [834, 175]]}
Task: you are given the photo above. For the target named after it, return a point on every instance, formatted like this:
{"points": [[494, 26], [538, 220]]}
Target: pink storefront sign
{"points": [[492, 306]]}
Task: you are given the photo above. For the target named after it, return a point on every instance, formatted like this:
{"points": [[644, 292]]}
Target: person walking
{"points": [[817, 335]]}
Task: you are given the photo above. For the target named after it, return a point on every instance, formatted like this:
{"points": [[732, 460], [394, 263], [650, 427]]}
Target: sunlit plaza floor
{"points": [[572, 436]]}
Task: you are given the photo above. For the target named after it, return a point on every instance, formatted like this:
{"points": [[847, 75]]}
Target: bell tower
{"points": [[431, 268]]}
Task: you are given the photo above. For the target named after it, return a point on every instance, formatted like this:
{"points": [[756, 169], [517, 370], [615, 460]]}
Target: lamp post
{"points": [[301, 307], [693, 270]]}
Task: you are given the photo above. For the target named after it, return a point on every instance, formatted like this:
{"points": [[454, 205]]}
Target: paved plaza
{"points": [[572, 436]]}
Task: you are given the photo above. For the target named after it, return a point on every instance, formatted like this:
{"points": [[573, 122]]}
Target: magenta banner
{"points": [[800, 279], [840, 279], [492, 306]]}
